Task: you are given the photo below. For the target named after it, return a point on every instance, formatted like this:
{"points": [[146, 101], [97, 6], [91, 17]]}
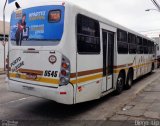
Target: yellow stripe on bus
{"points": [[81, 80], [116, 71], [39, 79]]}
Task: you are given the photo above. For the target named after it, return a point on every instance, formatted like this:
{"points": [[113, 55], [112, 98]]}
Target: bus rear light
{"points": [[65, 71], [65, 65]]}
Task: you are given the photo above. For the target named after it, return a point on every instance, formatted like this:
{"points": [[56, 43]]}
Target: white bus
{"points": [[62, 52]]}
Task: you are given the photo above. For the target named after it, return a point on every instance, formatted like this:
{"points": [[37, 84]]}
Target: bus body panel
{"points": [[91, 84], [62, 95], [34, 66]]}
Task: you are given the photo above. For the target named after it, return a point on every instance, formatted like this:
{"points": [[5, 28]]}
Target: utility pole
{"points": [[4, 35]]}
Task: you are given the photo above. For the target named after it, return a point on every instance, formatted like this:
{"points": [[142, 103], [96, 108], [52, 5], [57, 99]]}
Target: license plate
{"points": [[31, 76], [28, 88]]}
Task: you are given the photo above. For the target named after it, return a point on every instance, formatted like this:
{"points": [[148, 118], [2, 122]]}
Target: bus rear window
{"points": [[37, 26]]}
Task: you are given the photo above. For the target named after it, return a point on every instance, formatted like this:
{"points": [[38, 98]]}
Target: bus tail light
{"points": [[64, 65], [65, 71]]}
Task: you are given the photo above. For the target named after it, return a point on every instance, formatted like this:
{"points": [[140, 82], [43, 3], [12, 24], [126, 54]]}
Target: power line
{"points": [[150, 30], [156, 4]]}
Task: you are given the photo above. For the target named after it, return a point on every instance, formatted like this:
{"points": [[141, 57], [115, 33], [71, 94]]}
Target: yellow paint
{"points": [[81, 80], [39, 79], [116, 71]]}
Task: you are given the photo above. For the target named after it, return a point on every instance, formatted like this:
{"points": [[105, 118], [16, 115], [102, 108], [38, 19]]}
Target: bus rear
{"points": [[36, 66]]}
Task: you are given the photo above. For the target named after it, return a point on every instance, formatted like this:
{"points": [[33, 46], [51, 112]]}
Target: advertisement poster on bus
{"points": [[34, 24]]}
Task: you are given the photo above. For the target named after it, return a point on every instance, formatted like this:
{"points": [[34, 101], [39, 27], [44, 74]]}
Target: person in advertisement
{"points": [[21, 27]]}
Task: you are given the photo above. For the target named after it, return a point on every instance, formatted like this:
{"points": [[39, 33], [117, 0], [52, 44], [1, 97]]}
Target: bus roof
{"points": [[111, 23]]}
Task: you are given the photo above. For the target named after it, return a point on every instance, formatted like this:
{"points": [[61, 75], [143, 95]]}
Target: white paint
{"points": [[21, 99]]}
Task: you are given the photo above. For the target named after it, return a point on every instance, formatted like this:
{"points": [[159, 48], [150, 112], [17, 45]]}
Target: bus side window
{"points": [[122, 42], [145, 46], [152, 46], [132, 43], [139, 45], [88, 35]]}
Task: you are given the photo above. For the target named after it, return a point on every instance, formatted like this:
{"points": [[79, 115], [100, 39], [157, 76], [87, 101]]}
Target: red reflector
{"points": [[63, 93], [79, 87]]}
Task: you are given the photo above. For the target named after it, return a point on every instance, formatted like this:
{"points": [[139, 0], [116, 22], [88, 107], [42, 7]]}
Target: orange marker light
{"points": [[64, 65]]}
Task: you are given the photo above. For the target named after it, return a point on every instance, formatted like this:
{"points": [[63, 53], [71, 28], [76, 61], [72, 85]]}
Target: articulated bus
{"points": [[62, 52]]}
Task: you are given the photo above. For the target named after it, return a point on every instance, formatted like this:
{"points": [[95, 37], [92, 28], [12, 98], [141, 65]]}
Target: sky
{"points": [[129, 13]]}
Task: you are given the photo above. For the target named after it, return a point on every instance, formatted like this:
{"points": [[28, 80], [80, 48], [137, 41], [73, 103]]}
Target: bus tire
{"points": [[120, 83], [129, 81], [152, 68]]}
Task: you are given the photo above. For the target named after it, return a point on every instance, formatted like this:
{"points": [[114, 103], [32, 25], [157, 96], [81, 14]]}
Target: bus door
{"points": [[108, 59]]}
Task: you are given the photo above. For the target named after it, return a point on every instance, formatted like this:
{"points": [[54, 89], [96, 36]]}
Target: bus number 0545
{"points": [[49, 73]]}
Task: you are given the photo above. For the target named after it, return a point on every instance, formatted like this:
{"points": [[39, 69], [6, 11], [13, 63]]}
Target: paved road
{"points": [[145, 106], [15, 106]]}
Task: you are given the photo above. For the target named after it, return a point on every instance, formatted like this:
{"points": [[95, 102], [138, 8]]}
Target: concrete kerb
{"points": [[2, 72]]}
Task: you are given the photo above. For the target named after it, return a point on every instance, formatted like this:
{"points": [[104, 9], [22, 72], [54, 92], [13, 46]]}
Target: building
{"points": [[1, 43]]}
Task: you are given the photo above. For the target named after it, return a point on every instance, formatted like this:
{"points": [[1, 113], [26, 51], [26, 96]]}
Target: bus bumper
{"points": [[63, 94]]}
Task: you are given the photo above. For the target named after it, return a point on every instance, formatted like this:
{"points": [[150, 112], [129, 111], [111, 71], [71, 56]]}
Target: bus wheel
{"points": [[129, 80], [120, 84], [152, 68]]}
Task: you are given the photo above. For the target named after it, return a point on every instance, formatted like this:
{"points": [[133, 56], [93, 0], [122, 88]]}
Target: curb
{"points": [[2, 72]]}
